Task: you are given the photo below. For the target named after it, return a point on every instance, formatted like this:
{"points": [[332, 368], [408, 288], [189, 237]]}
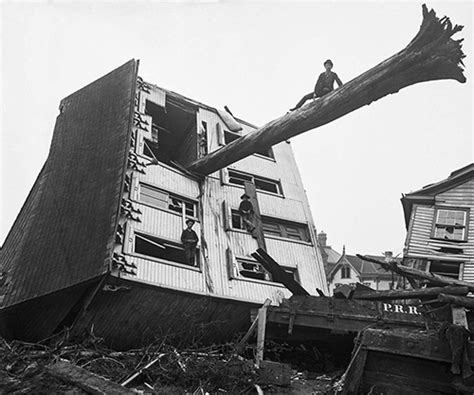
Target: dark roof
{"points": [[65, 231], [426, 194]]}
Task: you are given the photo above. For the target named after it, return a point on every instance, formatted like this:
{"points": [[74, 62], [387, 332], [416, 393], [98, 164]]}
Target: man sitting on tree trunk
{"points": [[324, 85], [189, 239], [246, 212]]}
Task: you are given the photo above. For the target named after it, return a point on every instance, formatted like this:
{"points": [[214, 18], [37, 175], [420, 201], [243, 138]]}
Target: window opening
{"points": [[261, 183], [450, 224], [444, 268], [161, 249], [166, 200], [345, 272], [288, 230]]}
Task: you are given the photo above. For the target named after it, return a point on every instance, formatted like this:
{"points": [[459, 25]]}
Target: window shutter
{"points": [[227, 215], [232, 269], [224, 176], [220, 134]]}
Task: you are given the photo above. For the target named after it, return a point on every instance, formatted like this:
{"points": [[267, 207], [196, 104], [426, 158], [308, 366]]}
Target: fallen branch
{"points": [[457, 300], [414, 273], [431, 55], [82, 378], [411, 293]]}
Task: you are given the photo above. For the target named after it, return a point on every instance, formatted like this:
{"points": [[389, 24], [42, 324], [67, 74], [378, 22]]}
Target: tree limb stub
{"points": [[431, 55]]}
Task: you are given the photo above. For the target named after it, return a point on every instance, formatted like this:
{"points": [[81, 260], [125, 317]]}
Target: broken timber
{"points": [[431, 55], [418, 274], [400, 294]]}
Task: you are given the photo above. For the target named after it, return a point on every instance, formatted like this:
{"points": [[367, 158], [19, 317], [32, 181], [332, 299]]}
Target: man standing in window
{"points": [[246, 212], [189, 239], [324, 85]]}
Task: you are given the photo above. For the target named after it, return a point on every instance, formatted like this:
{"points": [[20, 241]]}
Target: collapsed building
{"points": [[97, 242]]}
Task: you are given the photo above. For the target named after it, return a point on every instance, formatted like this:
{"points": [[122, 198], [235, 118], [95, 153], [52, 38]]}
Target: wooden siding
{"points": [[215, 240], [71, 227], [419, 243]]}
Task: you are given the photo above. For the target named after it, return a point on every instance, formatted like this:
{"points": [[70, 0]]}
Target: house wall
{"points": [[338, 280], [420, 244], [219, 245]]}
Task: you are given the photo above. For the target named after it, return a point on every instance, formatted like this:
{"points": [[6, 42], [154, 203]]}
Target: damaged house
{"points": [[97, 244], [440, 226]]}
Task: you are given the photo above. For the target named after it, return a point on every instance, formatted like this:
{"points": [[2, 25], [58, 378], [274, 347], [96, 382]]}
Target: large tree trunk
{"points": [[431, 55]]}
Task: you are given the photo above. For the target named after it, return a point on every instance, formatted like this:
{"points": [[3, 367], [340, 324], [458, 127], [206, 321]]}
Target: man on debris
{"points": [[189, 239], [246, 212], [324, 85]]}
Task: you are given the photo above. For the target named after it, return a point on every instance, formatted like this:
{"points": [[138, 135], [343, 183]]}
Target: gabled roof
{"points": [[361, 267], [427, 194]]}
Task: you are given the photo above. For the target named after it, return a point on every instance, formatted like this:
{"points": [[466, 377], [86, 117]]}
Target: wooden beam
{"points": [[246, 337], [431, 55], [262, 324], [82, 378], [457, 300], [251, 191], [411, 293], [414, 273], [278, 274]]}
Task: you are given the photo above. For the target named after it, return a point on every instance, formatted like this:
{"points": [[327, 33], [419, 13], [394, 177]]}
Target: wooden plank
{"points": [[252, 327], [251, 191], [82, 378], [411, 293], [262, 323], [278, 274], [431, 55], [354, 372]]}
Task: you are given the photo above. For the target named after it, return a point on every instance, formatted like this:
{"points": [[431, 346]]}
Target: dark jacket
{"points": [[325, 83], [246, 207], [189, 237]]}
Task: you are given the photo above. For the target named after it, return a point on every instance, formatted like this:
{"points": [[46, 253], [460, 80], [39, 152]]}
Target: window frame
{"points": [[172, 243], [435, 226], [252, 178], [344, 275], [171, 196], [283, 231], [239, 260]]}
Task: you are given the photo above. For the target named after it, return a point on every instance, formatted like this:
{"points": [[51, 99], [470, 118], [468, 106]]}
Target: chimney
{"points": [[322, 239], [388, 256]]}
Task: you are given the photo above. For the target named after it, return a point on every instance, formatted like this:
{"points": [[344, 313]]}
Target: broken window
{"points": [[450, 224], [345, 272], [174, 130], [286, 229], [261, 183], [445, 268], [252, 269], [162, 249], [165, 200]]}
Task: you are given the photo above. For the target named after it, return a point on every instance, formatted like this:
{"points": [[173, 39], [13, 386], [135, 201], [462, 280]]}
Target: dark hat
{"points": [[328, 61], [245, 196], [190, 220]]}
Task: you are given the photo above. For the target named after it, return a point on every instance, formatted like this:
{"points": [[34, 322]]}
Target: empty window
{"points": [[237, 222], [286, 229], [162, 199], [345, 272], [162, 249], [252, 269], [261, 184], [450, 224], [444, 268]]}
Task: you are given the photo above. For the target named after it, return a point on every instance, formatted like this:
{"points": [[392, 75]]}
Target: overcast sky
{"points": [[258, 58]]}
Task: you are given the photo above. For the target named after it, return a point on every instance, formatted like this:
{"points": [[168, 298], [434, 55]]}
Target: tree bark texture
{"points": [[431, 55]]}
